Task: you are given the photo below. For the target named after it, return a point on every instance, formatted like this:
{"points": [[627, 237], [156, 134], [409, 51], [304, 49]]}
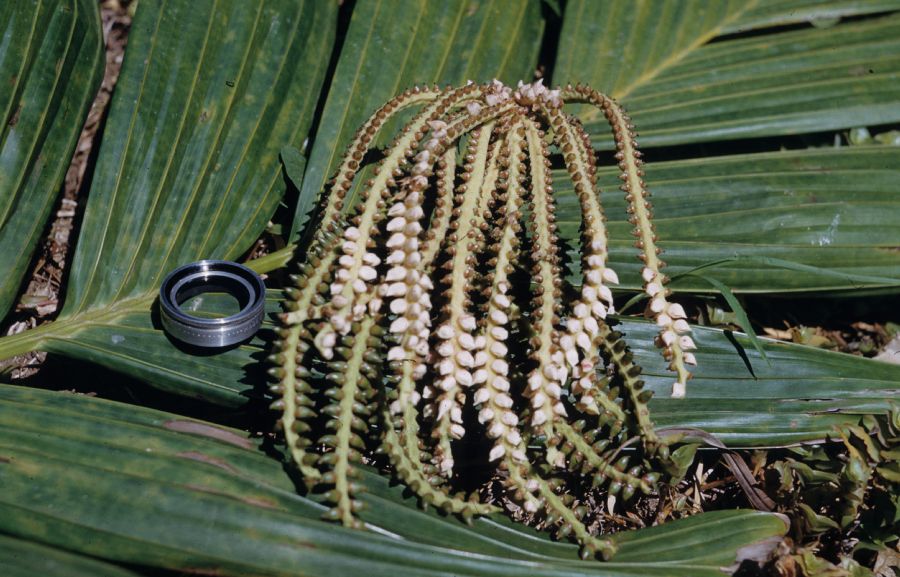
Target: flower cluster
{"points": [[441, 287]]}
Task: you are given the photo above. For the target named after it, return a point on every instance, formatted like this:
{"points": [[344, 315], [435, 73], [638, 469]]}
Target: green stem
{"points": [[274, 260], [36, 338]]}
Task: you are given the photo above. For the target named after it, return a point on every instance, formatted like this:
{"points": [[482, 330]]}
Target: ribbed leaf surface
{"points": [[188, 168], [28, 559], [392, 45], [744, 401], [834, 210], [133, 345], [51, 63], [734, 395], [658, 60], [71, 467]]}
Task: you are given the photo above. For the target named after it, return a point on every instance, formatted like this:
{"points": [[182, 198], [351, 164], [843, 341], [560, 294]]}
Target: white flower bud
{"points": [[396, 257], [581, 310], [367, 273], [456, 414], [485, 415], [465, 359], [396, 289], [395, 274], [503, 400], [396, 240], [448, 383], [676, 311], [399, 325], [501, 300], [466, 341], [396, 224], [445, 367], [464, 378], [605, 293]]}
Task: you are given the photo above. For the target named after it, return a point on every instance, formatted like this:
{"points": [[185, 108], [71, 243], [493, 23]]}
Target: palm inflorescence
{"points": [[431, 306]]}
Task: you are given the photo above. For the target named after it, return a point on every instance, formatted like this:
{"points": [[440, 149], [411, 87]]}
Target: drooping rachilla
{"points": [[437, 287]]}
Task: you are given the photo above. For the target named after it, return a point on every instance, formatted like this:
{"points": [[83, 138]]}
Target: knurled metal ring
{"points": [[208, 276]]}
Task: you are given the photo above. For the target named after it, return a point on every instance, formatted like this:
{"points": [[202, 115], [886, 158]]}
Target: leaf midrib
{"points": [[98, 256], [248, 142], [212, 149], [158, 192], [676, 57]]}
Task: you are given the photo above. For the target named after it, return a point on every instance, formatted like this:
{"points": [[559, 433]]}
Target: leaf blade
{"points": [[26, 559], [680, 88], [193, 171], [391, 46], [237, 512], [51, 52], [758, 214]]}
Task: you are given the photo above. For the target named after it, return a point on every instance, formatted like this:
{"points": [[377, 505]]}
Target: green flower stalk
{"points": [[441, 291]]}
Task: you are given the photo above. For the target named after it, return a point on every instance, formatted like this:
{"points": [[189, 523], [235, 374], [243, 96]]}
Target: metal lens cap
{"points": [[207, 276]]}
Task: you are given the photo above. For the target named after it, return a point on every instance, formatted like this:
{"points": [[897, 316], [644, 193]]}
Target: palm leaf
{"points": [[189, 164], [813, 208], [392, 46], [798, 396], [27, 559], [211, 92], [71, 466], [681, 88], [189, 167], [51, 63]]}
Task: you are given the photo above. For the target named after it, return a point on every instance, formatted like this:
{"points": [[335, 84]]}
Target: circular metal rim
{"points": [[206, 332]]}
